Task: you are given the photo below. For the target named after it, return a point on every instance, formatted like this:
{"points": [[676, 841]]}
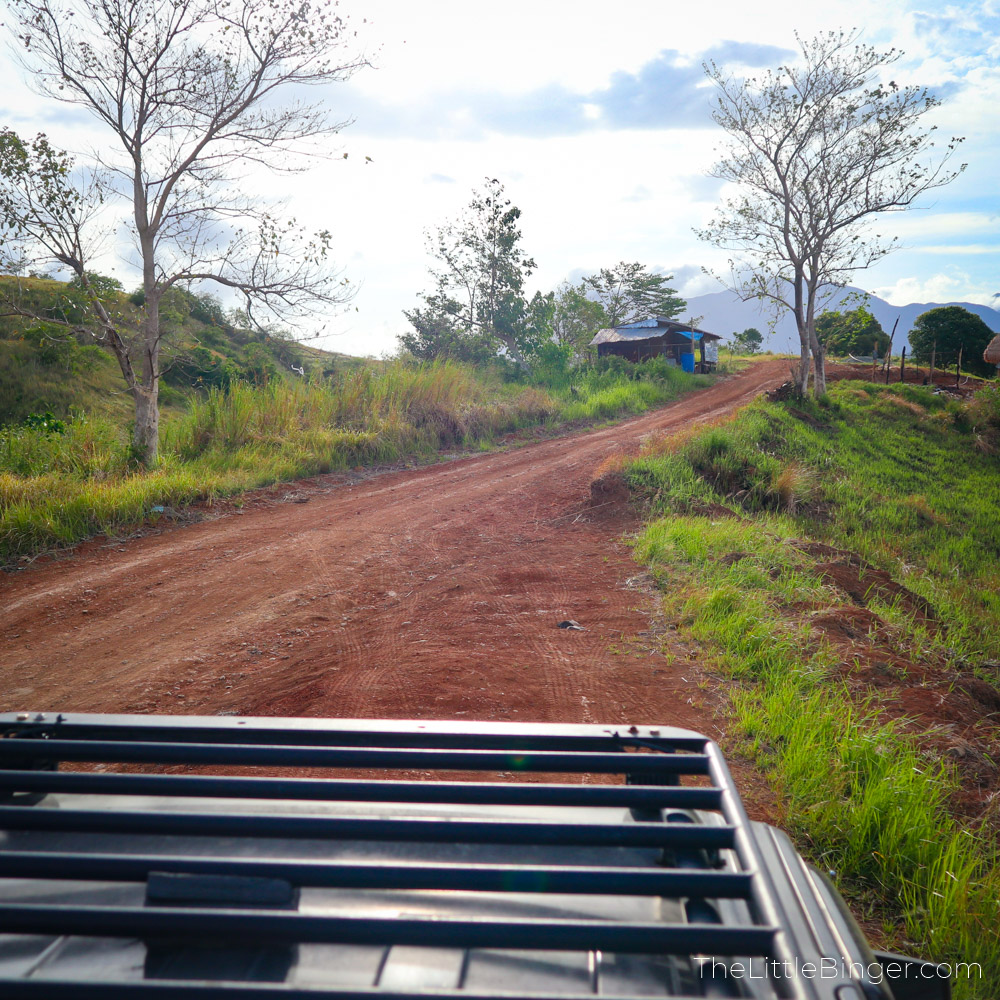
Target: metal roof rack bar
{"points": [[378, 875], [346, 790], [347, 732], [419, 829], [184, 923], [299, 756], [175, 989]]}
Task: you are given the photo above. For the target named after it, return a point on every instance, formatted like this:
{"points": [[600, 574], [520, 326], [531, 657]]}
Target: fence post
{"points": [[902, 365]]}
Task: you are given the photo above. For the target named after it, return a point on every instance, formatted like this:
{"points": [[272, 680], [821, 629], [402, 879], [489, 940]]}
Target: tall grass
{"points": [[895, 474], [900, 477], [59, 488]]}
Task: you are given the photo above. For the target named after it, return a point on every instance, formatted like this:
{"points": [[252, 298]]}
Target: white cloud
{"points": [[959, 249], [937, 288]]}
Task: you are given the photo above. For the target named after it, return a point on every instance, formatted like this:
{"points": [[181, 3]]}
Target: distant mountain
{"points": [[723, 313]]}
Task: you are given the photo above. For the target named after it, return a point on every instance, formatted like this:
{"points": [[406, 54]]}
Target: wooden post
{"points": [[902, 365], [958, 364], [888, 353], [933, 356]]}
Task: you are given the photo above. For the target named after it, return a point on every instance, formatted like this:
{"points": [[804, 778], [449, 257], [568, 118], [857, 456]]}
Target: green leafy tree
{"points": [[480, 265], [854, 332], [952, 328], [189, 93], [537, 324], [816, 151], [107, 288], [749, 341], [439, 332], [630, 292], [577, 318]]}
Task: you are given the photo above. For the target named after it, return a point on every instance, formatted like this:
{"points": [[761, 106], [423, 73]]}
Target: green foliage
{"points": [[29, 384], [856, 332], [53, 346], [208, 309], [629, 291], [480, 270], [478, 309], [177, 136], [985, 408], [204, 350], [952, 328], [577, 318], [439, 334], [551, 364], [84, 448], [259, 368], [201, 368], [45, 422], [898, 475], [105, 288], [534, 323], [749, 341], [36, 193]]}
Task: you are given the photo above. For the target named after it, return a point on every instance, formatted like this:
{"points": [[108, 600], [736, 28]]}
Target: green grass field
{"points": [[909, 482]]}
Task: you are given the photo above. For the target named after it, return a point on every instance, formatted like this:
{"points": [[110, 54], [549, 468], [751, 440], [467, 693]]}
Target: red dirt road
{"points": [[430, 593]]}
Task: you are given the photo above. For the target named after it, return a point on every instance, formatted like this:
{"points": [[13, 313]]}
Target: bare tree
{"points": [[817, 150], [191, 92]]}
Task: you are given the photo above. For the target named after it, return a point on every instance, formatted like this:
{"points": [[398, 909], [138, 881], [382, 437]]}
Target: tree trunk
{"points": [[802, 376], [807, 331], [512, 350], [819, 360], [146, 393], [146, 435], [803, 331]]}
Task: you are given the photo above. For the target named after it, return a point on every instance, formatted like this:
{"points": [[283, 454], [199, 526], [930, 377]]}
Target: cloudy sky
{"points": [[595, 116]]}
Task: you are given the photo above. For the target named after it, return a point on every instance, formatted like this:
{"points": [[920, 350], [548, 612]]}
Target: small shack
{"points": [[660, 337]]}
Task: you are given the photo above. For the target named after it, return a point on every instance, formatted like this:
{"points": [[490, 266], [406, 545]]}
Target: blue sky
{"points": [[596, 118]]}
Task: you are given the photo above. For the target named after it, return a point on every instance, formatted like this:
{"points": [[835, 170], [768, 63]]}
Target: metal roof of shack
{"points": [[647, 329]]}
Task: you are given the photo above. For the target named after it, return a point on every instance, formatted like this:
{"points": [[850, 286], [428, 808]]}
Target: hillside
{"points": [[724, 313], [44, 369]]}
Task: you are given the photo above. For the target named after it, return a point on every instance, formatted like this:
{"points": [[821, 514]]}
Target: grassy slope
{"points": [[66, 374], [910, 483]]}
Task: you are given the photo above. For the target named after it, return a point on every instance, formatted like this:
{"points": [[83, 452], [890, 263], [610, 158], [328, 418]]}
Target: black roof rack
{"points": [[139, 883]]}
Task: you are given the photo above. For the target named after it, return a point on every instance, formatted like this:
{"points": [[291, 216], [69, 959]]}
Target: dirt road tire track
{"points": [[432, 593]]}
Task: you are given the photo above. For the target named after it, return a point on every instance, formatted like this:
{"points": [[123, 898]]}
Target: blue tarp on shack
{"points": [[646, 329]]}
